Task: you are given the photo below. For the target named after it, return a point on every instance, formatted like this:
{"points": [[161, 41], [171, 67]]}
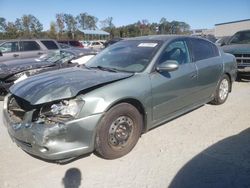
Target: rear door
{"points": [[209, 64], [10, 50], [30, 49]]}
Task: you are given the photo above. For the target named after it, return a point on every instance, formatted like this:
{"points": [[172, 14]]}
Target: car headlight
{"points": [[71, 107], [63, 110]]}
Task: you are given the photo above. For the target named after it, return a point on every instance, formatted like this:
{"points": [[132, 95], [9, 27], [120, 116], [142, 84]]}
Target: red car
{"points": [[73, 43]]}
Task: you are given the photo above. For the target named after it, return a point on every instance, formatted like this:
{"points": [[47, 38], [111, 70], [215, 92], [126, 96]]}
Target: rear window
{"points": [[62, 42], [50, 45], [29, 46], [203, 49], [74, 43]]}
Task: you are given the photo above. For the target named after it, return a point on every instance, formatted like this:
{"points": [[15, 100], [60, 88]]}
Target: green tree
{"points": [[71, 25], [11, 31], [28, 26], [87, 21], [81, 18], [52, 31], [2, 24], [108, 26], [60, 24]]}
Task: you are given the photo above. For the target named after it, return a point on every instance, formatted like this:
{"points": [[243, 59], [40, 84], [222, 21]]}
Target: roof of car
{"points": [[27, 40], [165, 38], [159, 37]]}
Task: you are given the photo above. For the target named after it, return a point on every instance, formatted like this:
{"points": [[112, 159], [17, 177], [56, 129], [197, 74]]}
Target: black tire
{"points": [[218, 99], [118, 131]]}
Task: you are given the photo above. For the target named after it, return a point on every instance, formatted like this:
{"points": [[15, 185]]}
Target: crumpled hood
{"points": [[62, 84], [9, 68], [237, 48]]}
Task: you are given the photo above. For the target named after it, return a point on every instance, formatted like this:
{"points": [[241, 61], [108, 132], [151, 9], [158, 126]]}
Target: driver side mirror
{"points": [[168, 66]]}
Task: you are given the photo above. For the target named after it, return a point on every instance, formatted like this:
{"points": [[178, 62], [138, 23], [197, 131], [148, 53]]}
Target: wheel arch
{"points": [[138, 105], [230, 79]]}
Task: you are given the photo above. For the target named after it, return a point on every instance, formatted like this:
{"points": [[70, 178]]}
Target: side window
{"points": [[203, 49], [9, 47], [216, 50], [29, 46], [242, 37], [177, 51], [50, 45]]}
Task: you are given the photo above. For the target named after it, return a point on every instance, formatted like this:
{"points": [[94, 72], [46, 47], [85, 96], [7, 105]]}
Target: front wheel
{"points": [[222, 91], [118, 131]]}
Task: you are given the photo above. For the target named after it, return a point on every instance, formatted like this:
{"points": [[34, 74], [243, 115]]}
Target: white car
{"points": [[96, 45]]}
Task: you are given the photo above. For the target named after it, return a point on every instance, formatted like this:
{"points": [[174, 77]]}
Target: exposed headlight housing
{"points": [[61, 111], [65, 107]]}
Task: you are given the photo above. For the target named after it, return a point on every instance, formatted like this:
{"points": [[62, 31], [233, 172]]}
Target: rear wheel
{"points": [[118, 131], [222, 91]]}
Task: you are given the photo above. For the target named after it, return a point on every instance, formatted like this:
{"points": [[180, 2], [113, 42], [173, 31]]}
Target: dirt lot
{"points": [[208, 147]]}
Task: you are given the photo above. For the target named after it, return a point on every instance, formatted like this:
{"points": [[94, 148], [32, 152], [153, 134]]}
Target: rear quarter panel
{"points": [[230, 65]]}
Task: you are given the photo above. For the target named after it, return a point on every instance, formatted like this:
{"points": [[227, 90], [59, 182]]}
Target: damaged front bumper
{"points": [[53, 142]]}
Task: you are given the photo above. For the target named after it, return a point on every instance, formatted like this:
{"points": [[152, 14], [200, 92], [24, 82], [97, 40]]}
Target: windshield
{"points": [[128, 56], [57, 57], [241, 38]]}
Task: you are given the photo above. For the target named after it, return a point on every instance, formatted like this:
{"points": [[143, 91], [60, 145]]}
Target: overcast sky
{"points": [[198, 14]]}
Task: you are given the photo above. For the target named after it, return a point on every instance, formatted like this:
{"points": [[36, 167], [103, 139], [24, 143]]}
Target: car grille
{"points": [[242, 58]]}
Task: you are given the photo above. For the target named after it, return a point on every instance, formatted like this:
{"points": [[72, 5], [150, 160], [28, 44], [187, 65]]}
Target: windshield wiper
{"points": [[105, 68]]}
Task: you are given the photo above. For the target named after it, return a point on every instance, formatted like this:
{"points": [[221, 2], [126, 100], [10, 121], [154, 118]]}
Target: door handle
{"points": [[40, 53], [15, 55]]}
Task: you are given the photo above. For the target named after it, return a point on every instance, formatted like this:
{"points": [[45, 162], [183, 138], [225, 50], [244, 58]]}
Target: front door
{"points": [[172, 91], [10, 51]]}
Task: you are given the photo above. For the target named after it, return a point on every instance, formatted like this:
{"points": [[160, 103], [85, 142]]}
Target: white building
{"points": [[230, 28]]}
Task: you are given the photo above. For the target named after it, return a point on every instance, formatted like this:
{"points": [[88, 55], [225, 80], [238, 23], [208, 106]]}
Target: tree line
{"points": [[66, 26]]}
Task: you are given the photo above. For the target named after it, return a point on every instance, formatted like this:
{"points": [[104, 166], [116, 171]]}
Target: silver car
{"points": [[26, 48]]}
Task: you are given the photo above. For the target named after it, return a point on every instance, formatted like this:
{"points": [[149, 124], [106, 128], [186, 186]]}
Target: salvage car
{"points": [[16, 70], [124, 91], [239, 46]]}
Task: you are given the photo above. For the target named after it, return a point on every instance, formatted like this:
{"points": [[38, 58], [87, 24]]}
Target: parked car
{"points": [[124, 91], [1, 41], [239, 46], [85, 43], [73, 43], [112, 41], [210, 37], [222, 41], [26, 48], [95, 45], [64, 46], [14, 71]]}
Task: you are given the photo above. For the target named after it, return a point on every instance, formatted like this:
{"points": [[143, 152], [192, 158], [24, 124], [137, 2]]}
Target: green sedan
{"points": [[124, 91]]}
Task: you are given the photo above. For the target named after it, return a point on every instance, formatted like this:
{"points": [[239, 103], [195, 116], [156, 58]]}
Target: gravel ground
{"points": [[208, 147]]}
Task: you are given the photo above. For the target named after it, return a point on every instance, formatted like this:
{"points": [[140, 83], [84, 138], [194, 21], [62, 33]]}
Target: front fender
{"points": [[137, 87]]}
